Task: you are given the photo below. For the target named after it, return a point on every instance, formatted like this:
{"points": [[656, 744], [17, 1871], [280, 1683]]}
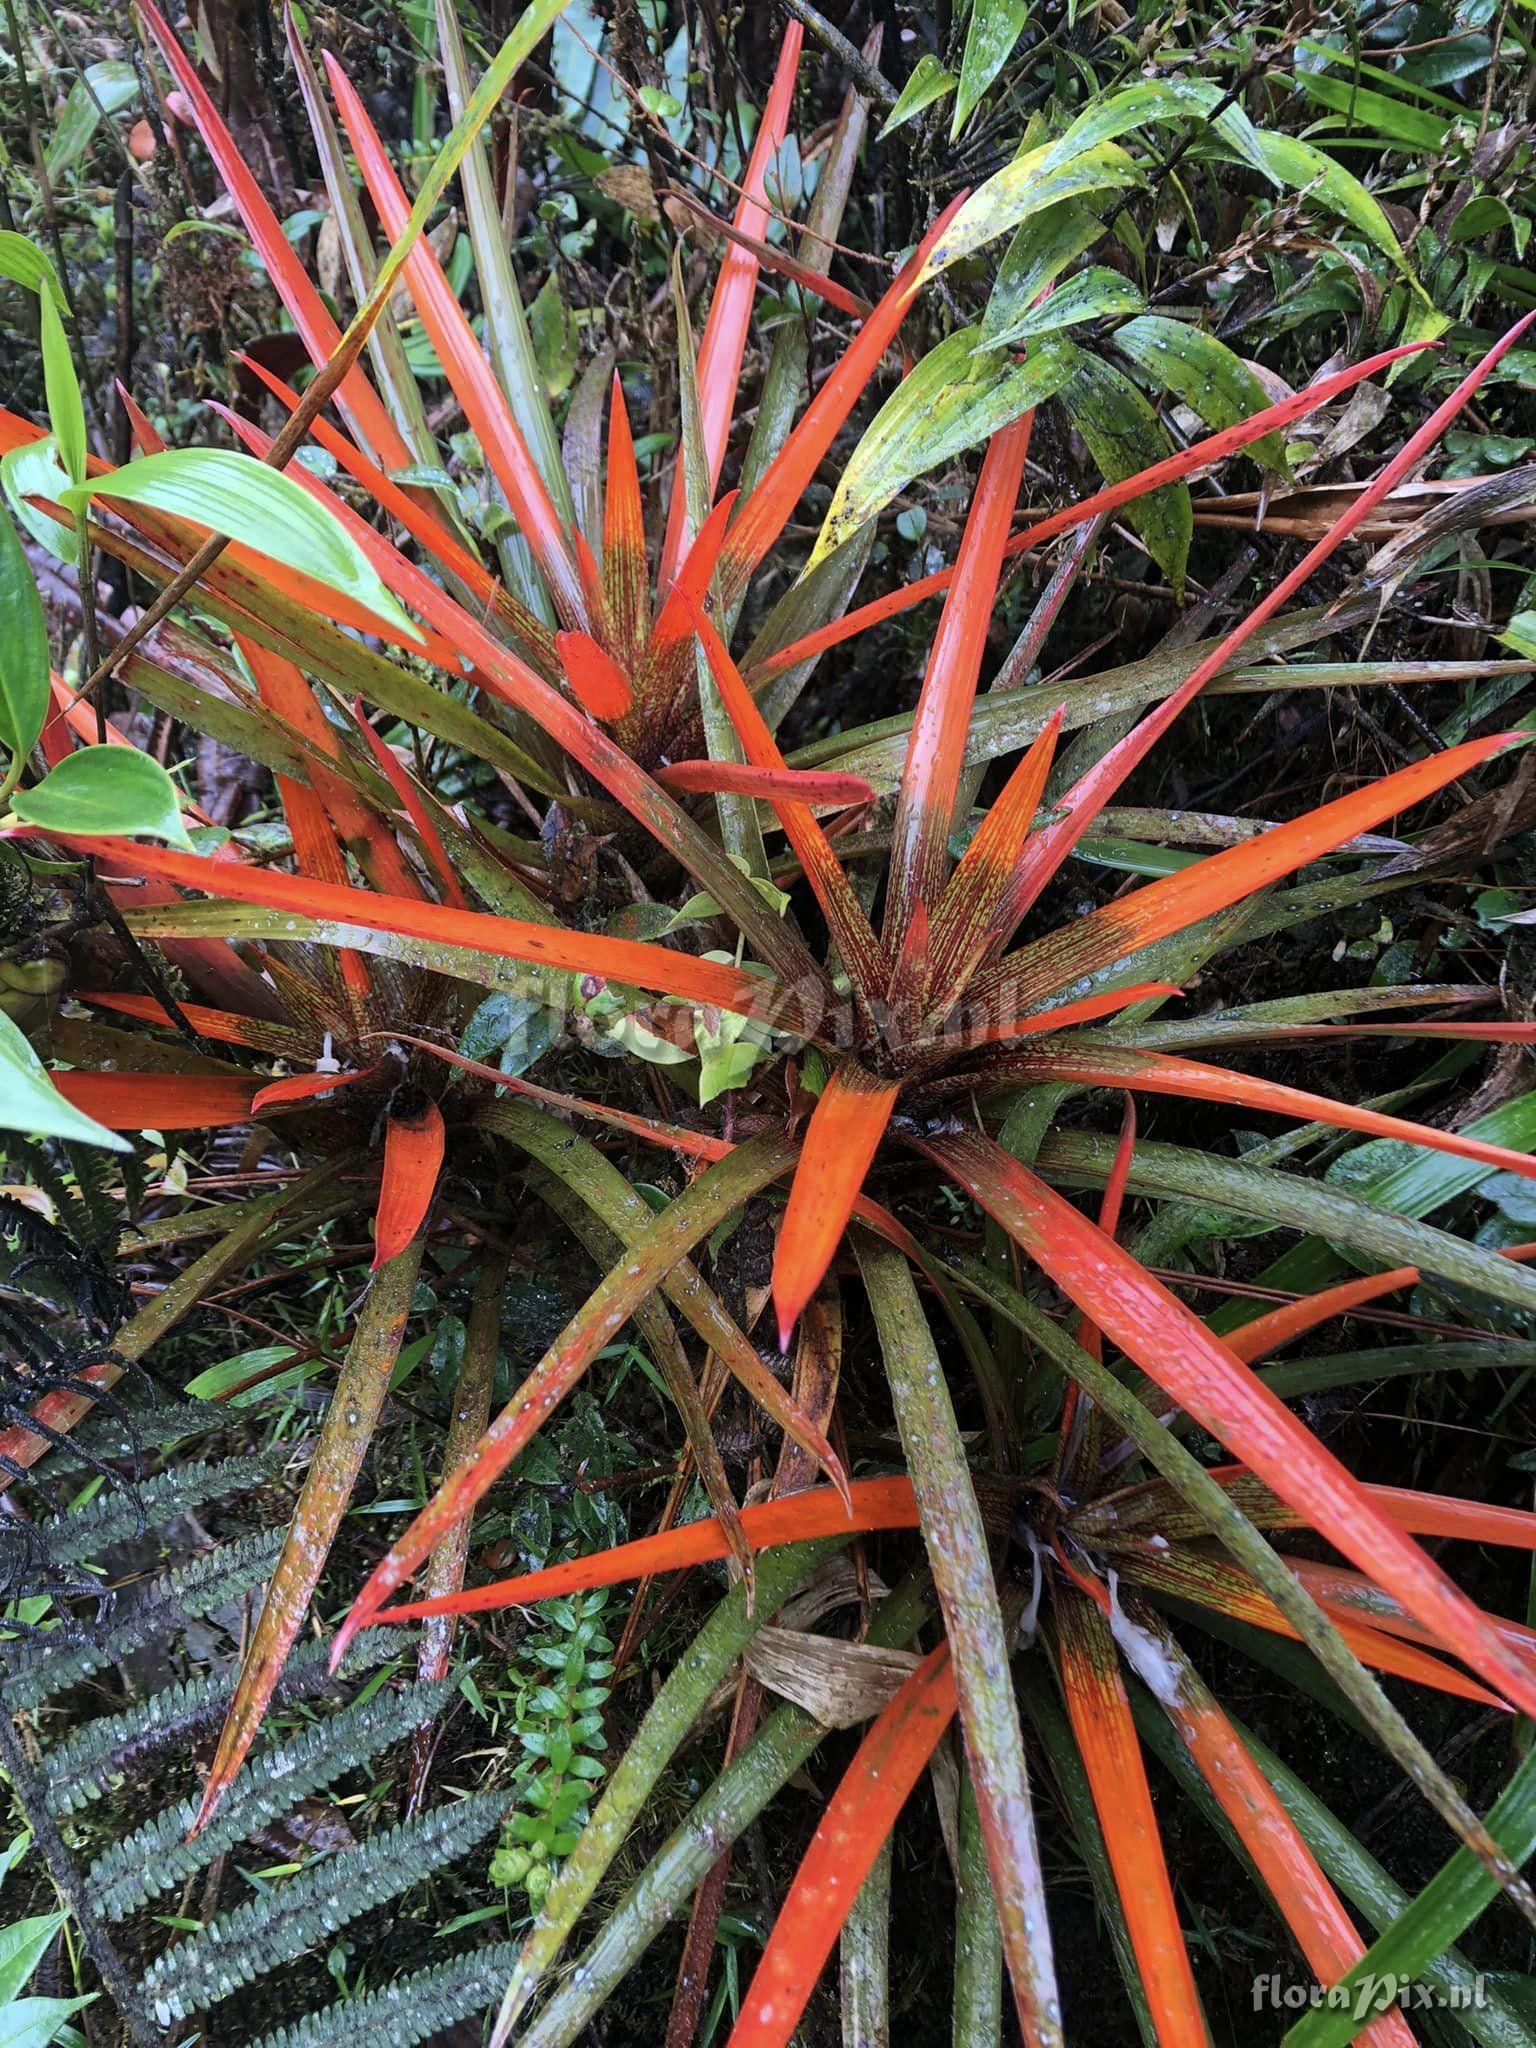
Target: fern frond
{"points": [[52, 1663], [268, 1931], [406, 2010], [164, 1852], [105, 1435], [96, 1757], [114, 1517]]}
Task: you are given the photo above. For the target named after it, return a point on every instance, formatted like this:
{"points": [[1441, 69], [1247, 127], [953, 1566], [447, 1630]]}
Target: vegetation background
{"points": [[1297, 187]]}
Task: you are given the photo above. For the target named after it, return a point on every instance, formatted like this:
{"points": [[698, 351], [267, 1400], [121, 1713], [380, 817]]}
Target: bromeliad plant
{"points": [[915, 1005]]}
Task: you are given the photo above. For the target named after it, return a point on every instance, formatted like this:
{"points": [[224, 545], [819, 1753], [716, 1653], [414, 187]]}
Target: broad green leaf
{"points": [[1174, 99], [1304, 168], [251, 502], [1123, 436], [29, 1102], [1386, 118], [21, 1950], [25, 264], [1026, 187], [958, 395], [23, 648], [1203, 372], [996, 26], [929, 82], [104, 89], [33, 470], [35, 2022], [1043, 247], [1095, 294], [61, 387], [116, 791]]}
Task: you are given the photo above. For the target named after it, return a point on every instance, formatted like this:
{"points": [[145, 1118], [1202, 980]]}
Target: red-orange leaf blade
{"points": [[413, 1159], [1177, 1350], [1107, 1742], [859, 1816], [841, 1140]]}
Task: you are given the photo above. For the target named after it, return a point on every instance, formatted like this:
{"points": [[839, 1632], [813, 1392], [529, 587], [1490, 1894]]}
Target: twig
{"points": [[871, 78]]}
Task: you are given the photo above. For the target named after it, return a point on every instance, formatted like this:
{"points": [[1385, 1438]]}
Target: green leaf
{"points": [[929, 82], [1306, 169], [1123, 436], [115, 791], [251, 502], [34, 2022], [1447, 1906], [33, 470], [958, 395], [1037, 255], [29, 1102], [1203, 372], [1026, 187], [24, 687], [105, 88], [1388, 119], [996, 26], [61, 387], [21, 1950], [1094, 294], [1174, 99], [25, 264]]}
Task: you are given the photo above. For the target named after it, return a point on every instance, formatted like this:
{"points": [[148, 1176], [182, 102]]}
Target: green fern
{"points": [[406, 2010], [114, 1517], [164, 1852], [274, 1928], [95, 1757], [49, 1665]]}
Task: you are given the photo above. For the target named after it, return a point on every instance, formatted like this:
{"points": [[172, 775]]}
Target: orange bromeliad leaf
{"points": [[1109, 1066], [1283, 1325], [978, 887], [303, 1088], [228, 1027], [1225, 1397], [1175, 902], [320, 334], [597, 682], [1425, 1514], [628, 960], [1198, 455], [1214, 1583], [841, 1140], [730, 308], [405, 789], [859, 1816], [797, 1518], [1083, 803], [625, 586], [474, 381], [1084, 1011], [1296, 1882], [159, 1102], [767, 511], [930, 775], [744, 778], [1106, 1738], [825, 873], [669, 1240], [413, 1159]]}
